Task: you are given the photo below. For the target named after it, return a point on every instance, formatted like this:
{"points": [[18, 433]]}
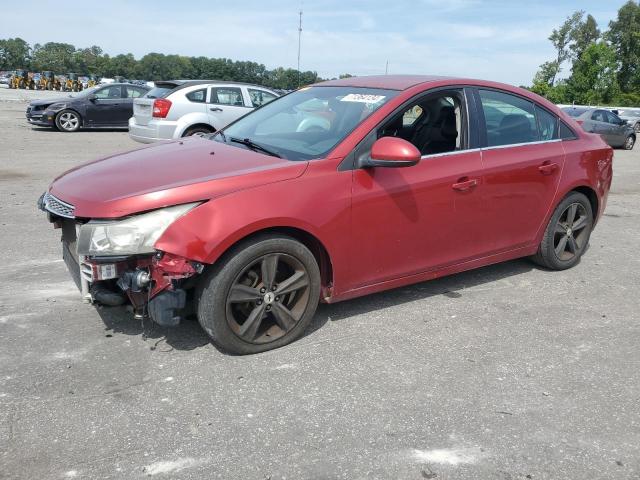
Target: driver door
{"points": [[410, 220], [105, 109]]}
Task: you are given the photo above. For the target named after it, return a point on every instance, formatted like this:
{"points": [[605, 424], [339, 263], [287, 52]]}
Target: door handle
{"points": [[465, 184], [216, 109], [548, 168]]}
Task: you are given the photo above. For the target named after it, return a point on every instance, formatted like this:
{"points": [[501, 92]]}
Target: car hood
{"points": [[161, 175], [51, 101]]}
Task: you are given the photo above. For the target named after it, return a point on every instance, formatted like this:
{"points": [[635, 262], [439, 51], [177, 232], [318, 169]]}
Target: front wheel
{"points": [[68, 121], [629, 142], [261, 296], [567, 235]]}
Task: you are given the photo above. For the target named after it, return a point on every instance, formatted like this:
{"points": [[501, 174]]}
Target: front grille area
{"points": [[58, 207]]}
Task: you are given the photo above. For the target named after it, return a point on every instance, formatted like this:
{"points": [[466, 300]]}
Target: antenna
{"points": [[386, 68], [299, 44]]}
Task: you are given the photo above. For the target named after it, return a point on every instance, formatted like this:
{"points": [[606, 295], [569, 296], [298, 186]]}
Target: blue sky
{"points": [[494, 39]]}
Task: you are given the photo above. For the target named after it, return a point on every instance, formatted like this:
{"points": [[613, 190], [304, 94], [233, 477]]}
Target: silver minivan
{"points": [[180, 108]]}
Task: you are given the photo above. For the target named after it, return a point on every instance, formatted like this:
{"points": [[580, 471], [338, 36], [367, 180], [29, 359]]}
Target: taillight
{"points": [[161, 107]]}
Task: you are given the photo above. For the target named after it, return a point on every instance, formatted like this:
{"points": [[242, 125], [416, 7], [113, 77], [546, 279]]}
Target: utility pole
{"points": [[386, 68], [299, 44]]}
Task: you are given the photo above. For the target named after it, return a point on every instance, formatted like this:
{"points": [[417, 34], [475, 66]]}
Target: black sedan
{"points": [[106, 106], [615, 131]]}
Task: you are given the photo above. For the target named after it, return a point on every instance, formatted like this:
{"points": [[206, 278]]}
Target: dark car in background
{"points": [[615, 131], [106, 106]]}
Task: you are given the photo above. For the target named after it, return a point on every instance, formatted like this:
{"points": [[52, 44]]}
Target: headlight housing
{"points": [[57, 106], [131, 236]]}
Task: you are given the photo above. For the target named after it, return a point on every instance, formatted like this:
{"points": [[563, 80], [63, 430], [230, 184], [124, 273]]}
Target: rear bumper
{"points": [[154, 131]]}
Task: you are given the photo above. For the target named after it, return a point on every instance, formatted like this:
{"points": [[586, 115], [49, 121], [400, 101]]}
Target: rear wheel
{"points": [[567, 235], [199, 130], [629, 142], [261, 296], [68, 121]]}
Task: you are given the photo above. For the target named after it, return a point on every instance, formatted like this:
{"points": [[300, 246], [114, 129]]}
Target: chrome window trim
{"points": [[448, 154], [482, 149], [538, 142]]}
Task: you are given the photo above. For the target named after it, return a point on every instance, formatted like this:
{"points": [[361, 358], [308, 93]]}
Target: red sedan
{"points": [[338, 190]]}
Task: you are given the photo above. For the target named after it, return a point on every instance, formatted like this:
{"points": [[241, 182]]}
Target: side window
{"points": [[197, 96], [547, 124], [133, 92], [598, 116], [611, 118], [260, 97], [433, 123], [113, 91], [509, 119], [227, 96], [566, 133]]}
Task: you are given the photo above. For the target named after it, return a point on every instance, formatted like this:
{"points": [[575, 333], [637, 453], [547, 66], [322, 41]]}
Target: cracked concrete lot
{"points": [[507, 372]]}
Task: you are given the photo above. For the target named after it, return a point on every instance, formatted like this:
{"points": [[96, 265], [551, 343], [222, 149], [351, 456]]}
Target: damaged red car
{"points": [[337, 190]]}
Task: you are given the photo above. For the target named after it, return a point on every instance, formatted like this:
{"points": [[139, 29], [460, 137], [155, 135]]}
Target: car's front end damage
{"points": [[113, 261]]}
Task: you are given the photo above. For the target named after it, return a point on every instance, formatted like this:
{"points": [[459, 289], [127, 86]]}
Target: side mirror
{"points": [[92, 97], [392, 152]]}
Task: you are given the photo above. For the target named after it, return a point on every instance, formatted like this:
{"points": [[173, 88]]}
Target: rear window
{"points": [[574, 112], [161, 90], [197, 96]]}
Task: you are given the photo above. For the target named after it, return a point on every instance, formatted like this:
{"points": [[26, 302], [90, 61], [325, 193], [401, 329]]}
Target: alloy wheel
{"points": [[268, 298], [69, 121], [629, 143], [570, 233]]}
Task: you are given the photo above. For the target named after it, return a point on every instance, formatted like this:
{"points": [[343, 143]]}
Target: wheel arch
{"points": [[204, 125], [189, 120], [313, 243], [591, 194]]}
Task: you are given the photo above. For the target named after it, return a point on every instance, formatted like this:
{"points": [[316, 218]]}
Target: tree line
{"points": [[61, 58], [603, 68]]}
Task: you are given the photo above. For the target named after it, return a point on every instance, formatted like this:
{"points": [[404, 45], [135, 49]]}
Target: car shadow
{"points": [[82, 130], [189, 335]]}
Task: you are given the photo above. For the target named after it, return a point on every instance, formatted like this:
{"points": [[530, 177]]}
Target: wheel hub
{"points": [[569, 232], [269, 298]]}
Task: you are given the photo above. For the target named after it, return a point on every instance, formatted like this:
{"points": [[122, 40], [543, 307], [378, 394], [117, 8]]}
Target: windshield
{"points": [[84, 93], [306, 124]]}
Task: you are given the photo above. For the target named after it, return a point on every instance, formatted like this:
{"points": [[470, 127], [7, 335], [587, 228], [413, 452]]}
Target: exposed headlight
{"points": [[57, 106], [133, 235]]}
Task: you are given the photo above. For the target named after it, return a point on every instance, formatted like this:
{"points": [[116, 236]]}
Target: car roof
{"points": [[180, 84], [390, 82]]}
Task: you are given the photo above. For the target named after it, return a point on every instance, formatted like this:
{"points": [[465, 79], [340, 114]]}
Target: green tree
{"points": [[14, 53], [561, 39], [584, 34], [593, 80], [58, 57], [624, 35]]}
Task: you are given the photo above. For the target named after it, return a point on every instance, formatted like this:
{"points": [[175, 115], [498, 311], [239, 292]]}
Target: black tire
{"points": [[567, 236], [199, 130], [237, 289], [68, 121], [629, 142]]}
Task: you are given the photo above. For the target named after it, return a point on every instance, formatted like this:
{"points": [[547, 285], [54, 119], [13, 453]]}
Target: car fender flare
{"points": [[188, 120]]}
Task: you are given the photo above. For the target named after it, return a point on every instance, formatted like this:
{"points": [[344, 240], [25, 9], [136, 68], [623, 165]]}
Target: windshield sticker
{"points": [[360, 98]]}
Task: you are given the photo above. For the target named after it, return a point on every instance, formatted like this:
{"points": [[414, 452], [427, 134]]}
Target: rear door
{"points": [[522, 159], [225, 105]]}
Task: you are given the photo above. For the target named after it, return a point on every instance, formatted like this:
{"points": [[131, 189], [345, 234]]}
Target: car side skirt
{"points": [[433, 274]]}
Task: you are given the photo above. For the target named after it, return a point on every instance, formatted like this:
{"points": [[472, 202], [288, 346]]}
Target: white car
{"points": [[180, 108]]}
